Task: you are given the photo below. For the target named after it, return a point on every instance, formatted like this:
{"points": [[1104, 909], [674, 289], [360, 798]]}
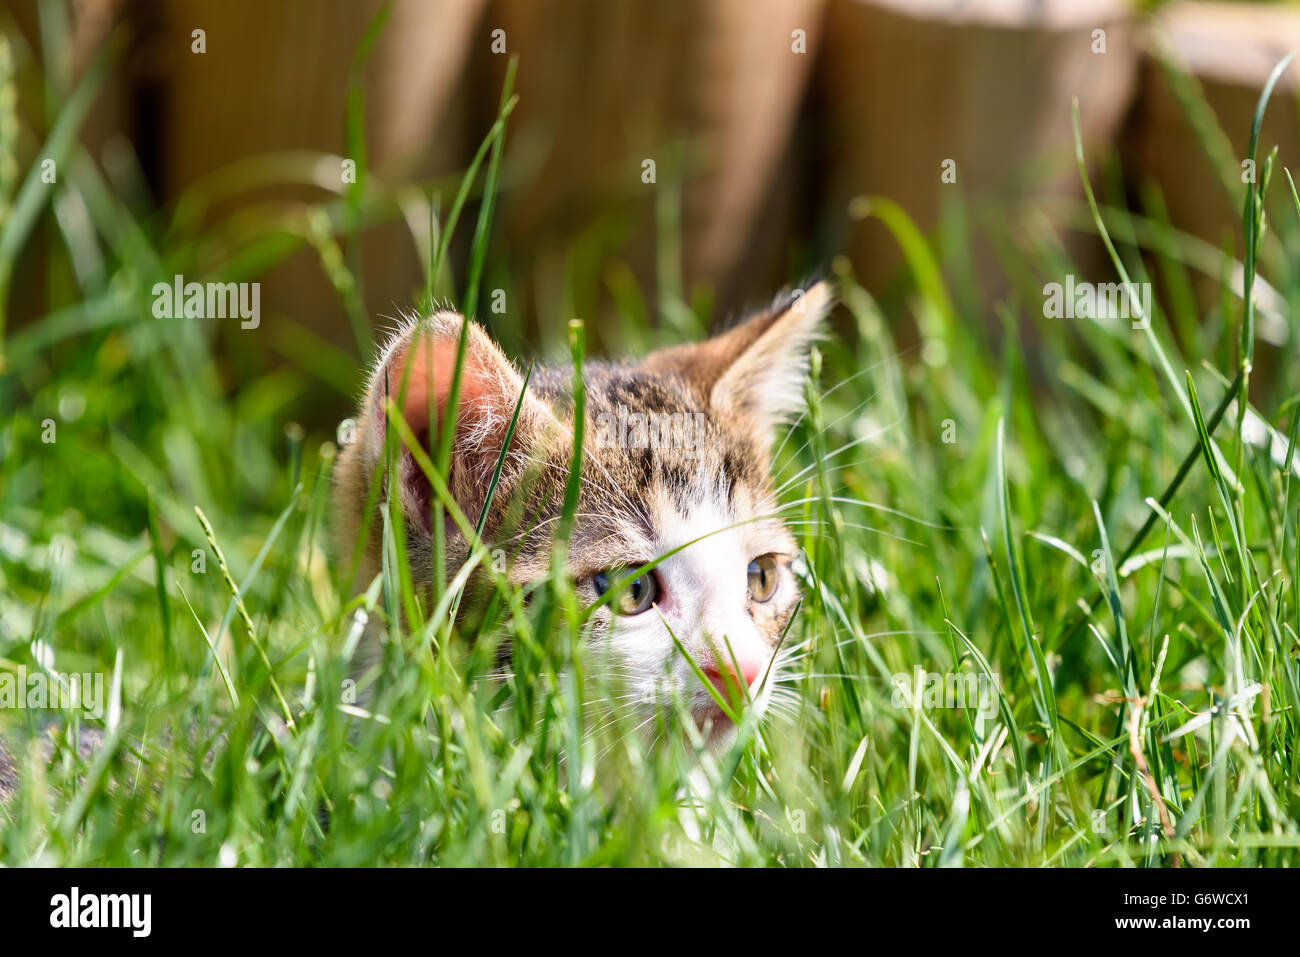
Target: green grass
{"points": [[1068, 504]]}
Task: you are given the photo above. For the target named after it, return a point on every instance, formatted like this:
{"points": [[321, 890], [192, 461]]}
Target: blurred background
{"points": [[654, 167], [674, 161]]}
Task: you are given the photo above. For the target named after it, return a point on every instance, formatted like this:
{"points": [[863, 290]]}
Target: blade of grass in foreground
{"points": [[491, 184], [1251, 216], [1044, 696], [1145, 322], [34, 192], [238, 592], [446, 428], [160, 582], [355, 136]]}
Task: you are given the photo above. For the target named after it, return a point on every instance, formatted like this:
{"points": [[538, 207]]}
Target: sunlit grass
{"points": [[1073, 506]]}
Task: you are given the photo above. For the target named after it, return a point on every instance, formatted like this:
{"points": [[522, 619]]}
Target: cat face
{"points": [[675, 472]]}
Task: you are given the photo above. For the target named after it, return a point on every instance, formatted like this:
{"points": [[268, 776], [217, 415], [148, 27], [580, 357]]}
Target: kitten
{"points": [[676, 453]]}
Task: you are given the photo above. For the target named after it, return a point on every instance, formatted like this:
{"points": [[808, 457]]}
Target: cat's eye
{"points": [[762, 578], [637, 595]]}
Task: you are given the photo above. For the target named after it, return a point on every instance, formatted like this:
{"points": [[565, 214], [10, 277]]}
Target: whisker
{"points": [[835, 388], [829, 455]]}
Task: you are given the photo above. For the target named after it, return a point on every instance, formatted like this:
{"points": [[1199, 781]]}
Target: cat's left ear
{"points": [[757, 368]]}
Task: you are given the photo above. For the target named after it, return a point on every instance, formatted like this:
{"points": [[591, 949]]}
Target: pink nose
{"points": [[729, 684]]}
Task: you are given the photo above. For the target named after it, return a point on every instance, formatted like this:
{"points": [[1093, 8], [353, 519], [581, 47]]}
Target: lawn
{"points": [[1070, 513]]}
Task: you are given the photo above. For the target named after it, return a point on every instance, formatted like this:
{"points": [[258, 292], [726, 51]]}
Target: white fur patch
{"points": [[704, 601]]}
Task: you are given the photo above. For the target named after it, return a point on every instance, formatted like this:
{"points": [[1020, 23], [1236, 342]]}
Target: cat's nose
{"points": [[728, 684]]}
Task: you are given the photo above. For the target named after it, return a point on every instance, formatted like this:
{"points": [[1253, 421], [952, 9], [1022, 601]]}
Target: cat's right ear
{"points": [[415, 374]]}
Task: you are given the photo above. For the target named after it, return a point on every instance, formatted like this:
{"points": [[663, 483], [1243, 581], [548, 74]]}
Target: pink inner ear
{"points": [[420, 354], [432, 363]]}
